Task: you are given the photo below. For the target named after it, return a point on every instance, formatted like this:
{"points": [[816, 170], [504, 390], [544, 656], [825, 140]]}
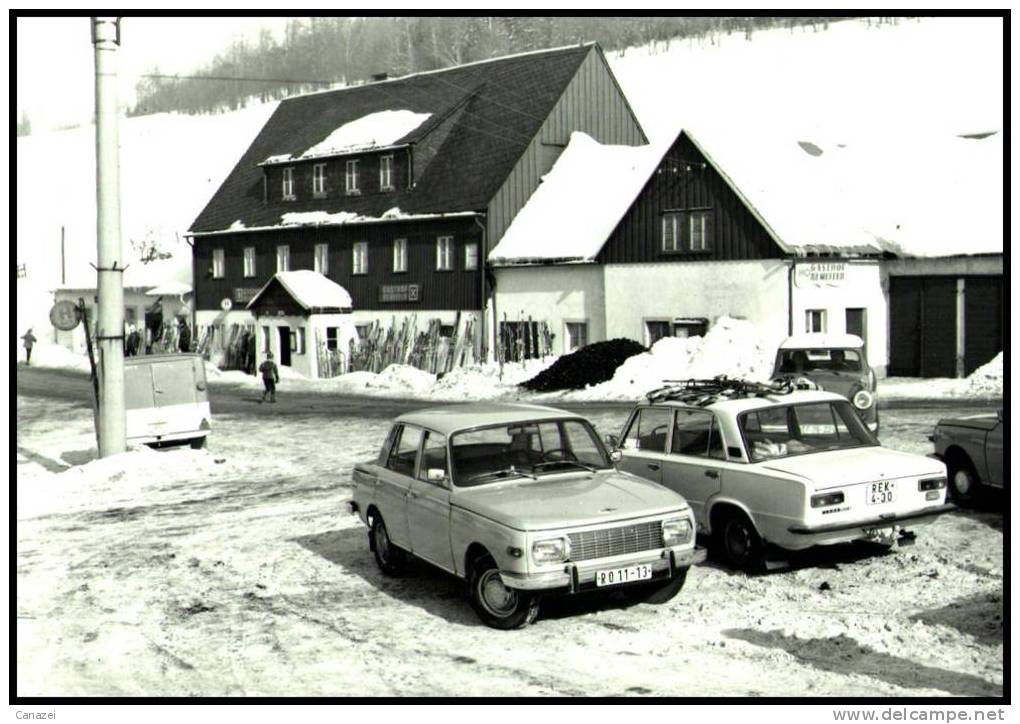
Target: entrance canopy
{"points": [[301, 292]]}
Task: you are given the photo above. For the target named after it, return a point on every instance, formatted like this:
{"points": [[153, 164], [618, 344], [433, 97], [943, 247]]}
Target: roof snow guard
{"points": [[700, 393]]}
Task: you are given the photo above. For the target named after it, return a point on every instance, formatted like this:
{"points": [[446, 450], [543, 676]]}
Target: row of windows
{"points": [[359, 258], [351, 178]]}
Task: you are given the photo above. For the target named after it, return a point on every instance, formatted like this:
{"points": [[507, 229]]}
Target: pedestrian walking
{"points": [[270, 376], [29, 341]]}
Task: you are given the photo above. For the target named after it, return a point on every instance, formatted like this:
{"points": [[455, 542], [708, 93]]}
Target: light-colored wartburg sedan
{"points": [[761, 464], [520, 501]]}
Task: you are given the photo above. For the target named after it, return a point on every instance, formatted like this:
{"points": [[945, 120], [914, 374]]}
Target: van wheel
{"points": [[497, 605], [738, 544], [390, 559], [198, 443]]}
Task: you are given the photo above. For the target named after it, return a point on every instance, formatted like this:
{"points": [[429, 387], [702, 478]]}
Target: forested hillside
{"points": [[321, 52]]}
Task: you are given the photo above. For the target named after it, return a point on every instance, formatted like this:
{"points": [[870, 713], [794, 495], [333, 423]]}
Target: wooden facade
{"points": [[685, 181], [457, 289]]}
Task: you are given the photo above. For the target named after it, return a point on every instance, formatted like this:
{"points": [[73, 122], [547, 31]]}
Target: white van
{"points": [[166, 399]]}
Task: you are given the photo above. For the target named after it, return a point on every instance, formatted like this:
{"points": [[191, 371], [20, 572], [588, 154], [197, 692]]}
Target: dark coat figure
{"points": [[29, 342], [184, 337], [134, 341], [270, 376]]}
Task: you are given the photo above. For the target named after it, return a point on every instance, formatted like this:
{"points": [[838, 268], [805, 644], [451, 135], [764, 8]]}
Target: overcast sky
{"points": [[55, 66]]}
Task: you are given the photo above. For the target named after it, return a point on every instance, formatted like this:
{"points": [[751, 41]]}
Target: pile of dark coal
{"points": [[587, 366]]}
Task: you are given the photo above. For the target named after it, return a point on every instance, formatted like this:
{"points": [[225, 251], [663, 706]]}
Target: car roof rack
{"points": [[700, 393]]}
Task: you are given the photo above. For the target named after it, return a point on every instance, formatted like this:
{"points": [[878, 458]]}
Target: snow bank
{"points": [[986, 380], [731, 347], [54, 356]]}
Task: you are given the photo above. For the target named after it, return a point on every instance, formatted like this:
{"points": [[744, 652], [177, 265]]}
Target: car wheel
{"points": [[663, 591], [738, 543], [497, 605], [390, 558], [964, 484]]}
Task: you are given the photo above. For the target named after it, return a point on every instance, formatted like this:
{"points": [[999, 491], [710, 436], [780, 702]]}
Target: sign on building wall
{"points": [[820, 274], [399, 293], [245, 294]]}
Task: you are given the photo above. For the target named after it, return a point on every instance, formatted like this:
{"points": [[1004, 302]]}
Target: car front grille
{"points": [[606, 542]]}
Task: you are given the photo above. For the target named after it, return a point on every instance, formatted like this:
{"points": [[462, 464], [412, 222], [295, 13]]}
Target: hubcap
{"points": [[497, 598], [738, 541], [961, 481], [382, 542]]}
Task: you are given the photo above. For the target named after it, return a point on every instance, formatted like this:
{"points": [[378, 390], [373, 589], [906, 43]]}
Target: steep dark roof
{"points": [[486, 113]]}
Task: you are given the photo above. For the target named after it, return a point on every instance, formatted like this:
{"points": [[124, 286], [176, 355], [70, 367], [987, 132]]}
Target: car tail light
{"points": [[826, 499], [931, 484]]}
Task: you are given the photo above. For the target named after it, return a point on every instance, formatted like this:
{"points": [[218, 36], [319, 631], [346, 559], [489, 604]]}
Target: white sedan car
{"points": [[766, 464]]}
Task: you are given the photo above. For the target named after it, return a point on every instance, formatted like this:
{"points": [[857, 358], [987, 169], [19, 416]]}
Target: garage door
{"points": [[983, 312], [922, 326]]}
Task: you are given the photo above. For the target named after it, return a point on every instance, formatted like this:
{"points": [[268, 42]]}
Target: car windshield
{"points": [[525, 450], [810, 427], [793, 361]]}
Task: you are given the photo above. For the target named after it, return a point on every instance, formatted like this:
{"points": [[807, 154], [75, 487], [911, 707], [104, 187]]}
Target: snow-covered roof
{"points": [[578, 204], [308, 288], [372, 131], [916, 195], [338, 218], [170, 288], [822, 340]]}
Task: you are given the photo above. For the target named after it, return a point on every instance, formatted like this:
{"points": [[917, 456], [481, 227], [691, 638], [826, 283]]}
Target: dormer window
{"points": [[351, 177], [319, 180], [386, 173], [288, 184]]}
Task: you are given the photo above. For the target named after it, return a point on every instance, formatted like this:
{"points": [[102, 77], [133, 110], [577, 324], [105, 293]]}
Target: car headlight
{"points": [[551, 550], [863, 400], [676, 532]]}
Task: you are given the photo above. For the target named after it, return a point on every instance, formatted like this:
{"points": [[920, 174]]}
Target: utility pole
{"points": [[112, 422]]}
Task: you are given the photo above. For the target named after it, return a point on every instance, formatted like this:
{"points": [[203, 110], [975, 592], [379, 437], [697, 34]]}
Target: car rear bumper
{"points": [[920, 517], [575, 577]]}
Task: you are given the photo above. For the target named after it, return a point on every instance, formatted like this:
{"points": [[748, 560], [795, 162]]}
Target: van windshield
{"points": [[788, 430], [525, 450]]}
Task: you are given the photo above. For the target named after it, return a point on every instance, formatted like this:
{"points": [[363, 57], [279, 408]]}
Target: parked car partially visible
{"points": [[521, 502], [833, 362], [769, 464], [971, 447]]}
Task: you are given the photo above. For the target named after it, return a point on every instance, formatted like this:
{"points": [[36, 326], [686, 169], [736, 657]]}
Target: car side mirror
{"points": [[612, 442], [615, 456], [435, 475]]}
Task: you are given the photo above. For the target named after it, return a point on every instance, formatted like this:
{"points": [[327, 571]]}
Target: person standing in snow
{"points": [[270, 376], [29, 342]]}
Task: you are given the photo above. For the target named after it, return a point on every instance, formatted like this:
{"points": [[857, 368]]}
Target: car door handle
{"points": [[653, 466], [711, 473]]}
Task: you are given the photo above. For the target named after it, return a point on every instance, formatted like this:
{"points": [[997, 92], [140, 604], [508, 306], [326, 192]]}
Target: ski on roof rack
{"points": [[700, 393]]}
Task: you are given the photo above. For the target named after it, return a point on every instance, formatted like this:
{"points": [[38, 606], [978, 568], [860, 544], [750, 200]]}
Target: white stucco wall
{"points": [[859, 286], [554, 294], [751, 290]]}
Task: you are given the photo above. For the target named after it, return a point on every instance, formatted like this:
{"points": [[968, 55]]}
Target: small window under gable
{"points": [[319, 180], [351, 176], [288, 183], [386, 173], [687, 231], [670, 232]]}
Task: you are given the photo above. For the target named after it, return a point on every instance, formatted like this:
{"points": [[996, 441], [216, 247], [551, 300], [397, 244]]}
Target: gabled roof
{"points": [[310, 289], [578, 204], [482, 114]]}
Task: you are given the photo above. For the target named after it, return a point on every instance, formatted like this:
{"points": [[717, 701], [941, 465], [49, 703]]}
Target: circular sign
{"points": [[226, 304], [64, 315]]}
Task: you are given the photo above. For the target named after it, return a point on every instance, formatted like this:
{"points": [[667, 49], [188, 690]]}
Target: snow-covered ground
{"points": [[729, 348], [236, 571]]}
